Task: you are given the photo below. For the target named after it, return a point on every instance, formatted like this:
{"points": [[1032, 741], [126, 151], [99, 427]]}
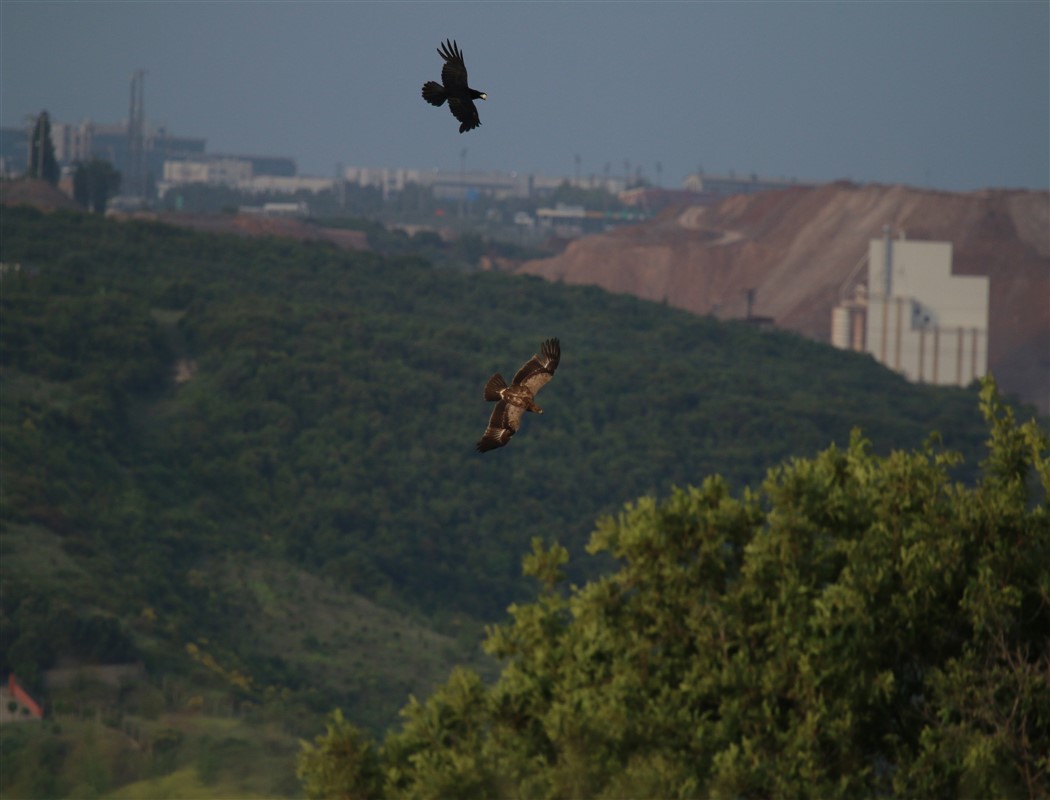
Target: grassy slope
{"points": [[175, 755], [188, 736]]}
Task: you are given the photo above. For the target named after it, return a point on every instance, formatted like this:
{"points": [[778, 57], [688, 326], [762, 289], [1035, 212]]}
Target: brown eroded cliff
{"points": [[798, 247]]}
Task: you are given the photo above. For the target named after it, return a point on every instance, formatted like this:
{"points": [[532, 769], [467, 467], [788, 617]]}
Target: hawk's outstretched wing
{"points": [[504, 423], [539, 369]]}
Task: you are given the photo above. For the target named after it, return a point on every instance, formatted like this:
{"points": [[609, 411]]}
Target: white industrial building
{"points": [[235, 173], [214, 171], [914, 316], [455, 184]]}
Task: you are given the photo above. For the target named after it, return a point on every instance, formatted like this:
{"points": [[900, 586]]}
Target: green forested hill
{"points": [[335, 400], [323, 425]]}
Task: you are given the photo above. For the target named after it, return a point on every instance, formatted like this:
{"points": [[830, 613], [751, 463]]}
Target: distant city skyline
{"points": [[948, 95]]}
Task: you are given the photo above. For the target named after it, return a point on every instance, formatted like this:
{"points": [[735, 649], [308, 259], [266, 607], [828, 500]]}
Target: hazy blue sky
{"points": [[954, 95]]}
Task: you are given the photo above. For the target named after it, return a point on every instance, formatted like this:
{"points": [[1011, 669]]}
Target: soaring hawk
{"points": [[513, 401]]}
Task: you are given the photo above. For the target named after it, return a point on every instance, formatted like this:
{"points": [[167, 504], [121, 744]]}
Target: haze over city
{"points": [[948, 95]]}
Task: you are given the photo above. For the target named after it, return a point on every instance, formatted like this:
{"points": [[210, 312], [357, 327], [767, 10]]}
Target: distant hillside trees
{"points": [[94, 183], [856, 626], [42, 164]]}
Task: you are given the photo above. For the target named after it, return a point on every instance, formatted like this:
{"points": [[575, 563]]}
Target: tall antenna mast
{"points": [[136, 177]]}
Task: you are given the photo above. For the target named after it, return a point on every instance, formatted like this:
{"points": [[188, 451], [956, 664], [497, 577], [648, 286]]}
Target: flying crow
{"points": [[460, 96]]}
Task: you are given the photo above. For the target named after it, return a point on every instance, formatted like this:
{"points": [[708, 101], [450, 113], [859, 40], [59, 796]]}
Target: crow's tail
{"points": [[434, 93]]}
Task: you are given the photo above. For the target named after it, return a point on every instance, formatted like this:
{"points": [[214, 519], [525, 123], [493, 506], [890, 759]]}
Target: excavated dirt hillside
{"points": [[798, 247]]}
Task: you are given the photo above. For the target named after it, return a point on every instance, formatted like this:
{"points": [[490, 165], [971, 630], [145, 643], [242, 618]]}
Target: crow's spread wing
{"points": [[539, 369], [454, 73], [466, 112], [504, 422]]}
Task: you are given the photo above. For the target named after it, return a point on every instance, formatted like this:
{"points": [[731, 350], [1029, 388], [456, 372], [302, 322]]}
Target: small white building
{"points": [[916, 316], [299, 210], [285, 184], [214, 171], [235, 173]]}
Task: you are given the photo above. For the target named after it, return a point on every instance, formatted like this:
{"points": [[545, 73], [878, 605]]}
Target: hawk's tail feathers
{"points": [[494, 387], [434, 93]]}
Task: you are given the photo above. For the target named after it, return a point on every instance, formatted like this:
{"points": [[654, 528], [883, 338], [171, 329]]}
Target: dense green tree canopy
{"points": [[857, 625]]}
